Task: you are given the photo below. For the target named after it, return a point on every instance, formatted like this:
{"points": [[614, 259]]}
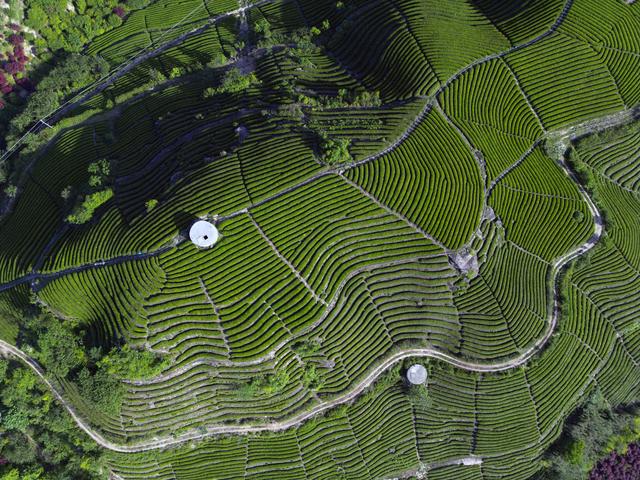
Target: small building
{"points": [[203, 234], [417, 374]]}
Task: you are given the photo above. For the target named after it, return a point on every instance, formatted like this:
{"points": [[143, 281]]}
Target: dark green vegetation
{"points": [[38, 439], [593, 431], [384, 177], [69, 26], [97, 374], [48, 44]]}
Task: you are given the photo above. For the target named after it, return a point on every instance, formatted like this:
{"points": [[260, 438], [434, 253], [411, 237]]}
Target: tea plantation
{"points": [[450, 183]]}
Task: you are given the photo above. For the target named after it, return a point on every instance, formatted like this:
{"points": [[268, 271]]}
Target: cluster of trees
{"points": [[341, 123], [264, 385], [68, 26], [53, 29], [73, 73], [312, 377], [58, 347], [594, 431], [300, 47], [13, 64], [344, 99], [132, 364], [83, 211], [38, 439], [334, 150], [296, 41], [94, 195], [233, 81], [618, 466]]}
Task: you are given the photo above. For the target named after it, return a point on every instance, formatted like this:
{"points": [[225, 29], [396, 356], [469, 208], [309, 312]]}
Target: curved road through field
{"points": [[375, 373]]}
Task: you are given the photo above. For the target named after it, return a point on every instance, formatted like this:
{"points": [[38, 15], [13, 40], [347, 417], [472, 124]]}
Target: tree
{"points": [[65, 194], [150, 204], [36, 18], [83, 212], [175, 72], [60, 350], [11, 191]]}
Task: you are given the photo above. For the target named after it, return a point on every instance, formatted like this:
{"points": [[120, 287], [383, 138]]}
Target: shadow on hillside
{"points": [[501, 11], [183, 221]]}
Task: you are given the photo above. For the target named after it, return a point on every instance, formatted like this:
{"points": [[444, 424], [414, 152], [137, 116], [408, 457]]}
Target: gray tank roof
{"points": [[417, 374], [203, 234]]}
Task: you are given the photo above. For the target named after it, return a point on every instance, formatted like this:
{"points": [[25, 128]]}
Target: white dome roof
{"points": [[203, 234], [417, 374]]}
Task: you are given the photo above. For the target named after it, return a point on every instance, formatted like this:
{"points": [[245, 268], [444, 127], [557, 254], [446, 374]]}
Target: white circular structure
{"points": [[417, 374], [203, 234]]}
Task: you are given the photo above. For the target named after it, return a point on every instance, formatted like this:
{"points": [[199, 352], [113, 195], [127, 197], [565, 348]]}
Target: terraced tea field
{"points": [[473, 222]]}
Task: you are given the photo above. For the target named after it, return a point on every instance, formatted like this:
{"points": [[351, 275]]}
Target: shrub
{"points": [[151, 204], [234, 81], [335, 150], [11, 191]]}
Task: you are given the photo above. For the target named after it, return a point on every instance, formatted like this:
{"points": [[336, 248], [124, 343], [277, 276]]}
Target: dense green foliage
{"points": [[132, 364], [57, 346], [84, 211], [38, 439], [73, 73], [234, 81], [69, 26], [334, 151], [592, 432]]}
